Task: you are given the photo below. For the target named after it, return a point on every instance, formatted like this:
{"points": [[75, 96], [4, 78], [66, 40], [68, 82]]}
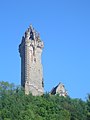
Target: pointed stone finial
{"points": [[31, 27], [27, 34], [32, 32]]}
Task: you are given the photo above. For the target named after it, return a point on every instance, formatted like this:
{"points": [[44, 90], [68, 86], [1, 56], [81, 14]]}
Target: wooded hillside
{"points": [[15, 105]]}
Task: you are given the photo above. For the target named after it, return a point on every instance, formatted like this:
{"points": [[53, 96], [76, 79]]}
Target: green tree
{"points": [[88, 107], [15, 105]]}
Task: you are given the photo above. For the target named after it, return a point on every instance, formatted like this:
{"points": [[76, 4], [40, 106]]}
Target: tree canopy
{"points": [[15, 105]]}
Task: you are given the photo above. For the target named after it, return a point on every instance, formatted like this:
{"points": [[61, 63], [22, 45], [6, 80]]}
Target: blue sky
{"points": [[64, 26]]}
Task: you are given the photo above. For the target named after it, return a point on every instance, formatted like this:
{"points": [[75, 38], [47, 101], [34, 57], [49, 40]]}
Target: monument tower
{"points": [[31, 67]]}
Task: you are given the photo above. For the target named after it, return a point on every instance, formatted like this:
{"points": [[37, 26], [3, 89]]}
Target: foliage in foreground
{"points": [[15, 105]]}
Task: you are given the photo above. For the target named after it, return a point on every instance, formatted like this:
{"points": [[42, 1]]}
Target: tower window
{"points": [[34, 59]]}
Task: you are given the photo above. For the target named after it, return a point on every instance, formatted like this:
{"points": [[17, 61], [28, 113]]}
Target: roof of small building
{"points": [[59, 89]]}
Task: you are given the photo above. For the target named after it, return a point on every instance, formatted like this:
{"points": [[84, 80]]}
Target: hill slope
{"points": [[15, 105]]}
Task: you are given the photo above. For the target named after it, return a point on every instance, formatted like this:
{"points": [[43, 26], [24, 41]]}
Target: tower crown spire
{"points": [[31, 33]]}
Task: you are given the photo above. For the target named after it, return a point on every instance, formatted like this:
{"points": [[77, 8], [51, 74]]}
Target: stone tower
{"points": [[31, 67]]}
